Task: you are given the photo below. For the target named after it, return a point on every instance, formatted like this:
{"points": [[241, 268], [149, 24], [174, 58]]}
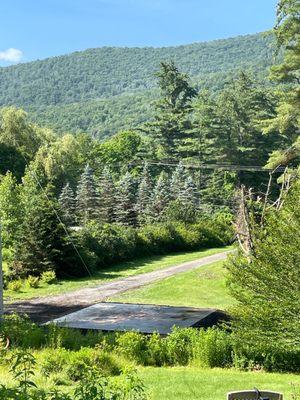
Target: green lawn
{"points": [[121, 270], [188, 383], [203, 287]]}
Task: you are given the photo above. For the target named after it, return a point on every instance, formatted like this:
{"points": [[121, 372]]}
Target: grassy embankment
{"points": [[204, 287]]}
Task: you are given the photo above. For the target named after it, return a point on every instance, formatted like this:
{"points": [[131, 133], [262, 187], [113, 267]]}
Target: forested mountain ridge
{"points": [[81, 79]]}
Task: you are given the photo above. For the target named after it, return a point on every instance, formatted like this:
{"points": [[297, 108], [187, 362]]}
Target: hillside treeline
{"points": [[88, 91]]}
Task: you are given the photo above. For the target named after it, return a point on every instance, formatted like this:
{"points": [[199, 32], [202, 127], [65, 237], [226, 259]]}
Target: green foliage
{"points": [[171, 120], [38, 246], [267, 284], [125, 201], [92, 385], [15, 285], [49, 277], [9, 209], [287, 119], [87, 198], [22, 332], [133, 346], [212, 348], [33, 281], [108, 100]]}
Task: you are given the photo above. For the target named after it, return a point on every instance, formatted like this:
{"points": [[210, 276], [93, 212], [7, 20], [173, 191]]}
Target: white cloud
{"points": [[11, 55]]}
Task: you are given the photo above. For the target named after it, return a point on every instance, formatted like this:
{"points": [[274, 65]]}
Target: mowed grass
{"points": [[186, 383], [203, 287], [191, 383], [122, 270]]}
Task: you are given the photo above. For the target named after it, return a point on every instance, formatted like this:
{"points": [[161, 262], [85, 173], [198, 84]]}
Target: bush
{"points": [[22, 332], [268, 357], [212, 348], [157, 350], [71, 339], [54, 361], [33, 281], [133, 346], [49, 277], [179, 345], [15, 285], [112, 242]]}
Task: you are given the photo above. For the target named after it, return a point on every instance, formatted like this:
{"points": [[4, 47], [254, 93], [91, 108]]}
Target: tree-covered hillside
{"points": [[94, 90]]}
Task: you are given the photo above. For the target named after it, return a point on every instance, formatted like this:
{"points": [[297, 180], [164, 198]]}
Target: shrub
{"points": [[269, 357], [212, 348], [33, 281], [71, 339], [133, 346], [112, 242], [54, 361], [49, 277], [15, 285], [179, 345], [157, 350], [22, 332]]}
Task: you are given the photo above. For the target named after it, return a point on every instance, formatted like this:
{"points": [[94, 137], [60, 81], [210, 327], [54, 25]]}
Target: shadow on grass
{"points": [[111, 272]]}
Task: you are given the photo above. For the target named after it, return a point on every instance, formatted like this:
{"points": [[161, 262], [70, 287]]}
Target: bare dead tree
{"points": [[242, 224]]}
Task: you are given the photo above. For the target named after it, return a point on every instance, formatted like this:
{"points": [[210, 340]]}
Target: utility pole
{"points": [[1, 274]]}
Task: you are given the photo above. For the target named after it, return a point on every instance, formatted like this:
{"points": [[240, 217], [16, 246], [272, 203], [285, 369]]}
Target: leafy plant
{"points": [[49, 277], [33, 281], [15, 285]]}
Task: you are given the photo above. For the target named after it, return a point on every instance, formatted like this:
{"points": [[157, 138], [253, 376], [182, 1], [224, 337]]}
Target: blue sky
{"points": [[35, 29]]}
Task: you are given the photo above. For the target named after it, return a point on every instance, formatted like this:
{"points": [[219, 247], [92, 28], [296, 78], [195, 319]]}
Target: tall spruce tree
{"points": [[161, 197], [172, 125], [39, 243], [189, 193], [178, 180], [87, 199], [144, 195], [68, 204], [125, 201], [107, 193]]}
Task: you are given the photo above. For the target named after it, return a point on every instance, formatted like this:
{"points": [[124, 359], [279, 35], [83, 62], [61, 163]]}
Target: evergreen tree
{"points": [[171, 125], [87, 199], [67, 204], [161, 197], [178, 181], [39, 243], [287, 119], [189, 193], [107, 193], [125, 201], [144, 195]]}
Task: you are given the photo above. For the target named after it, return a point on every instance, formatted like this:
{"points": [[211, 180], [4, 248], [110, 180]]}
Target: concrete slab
{"points": [[144, 318]]}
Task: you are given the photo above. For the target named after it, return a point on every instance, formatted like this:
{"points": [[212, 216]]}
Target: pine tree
{"points": [[178, 180], [144, 195], [189, 193], [39, 244], [161, 197], [125, 201], [67, 204], [87, 199], [107, 193], [171, 124]]}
